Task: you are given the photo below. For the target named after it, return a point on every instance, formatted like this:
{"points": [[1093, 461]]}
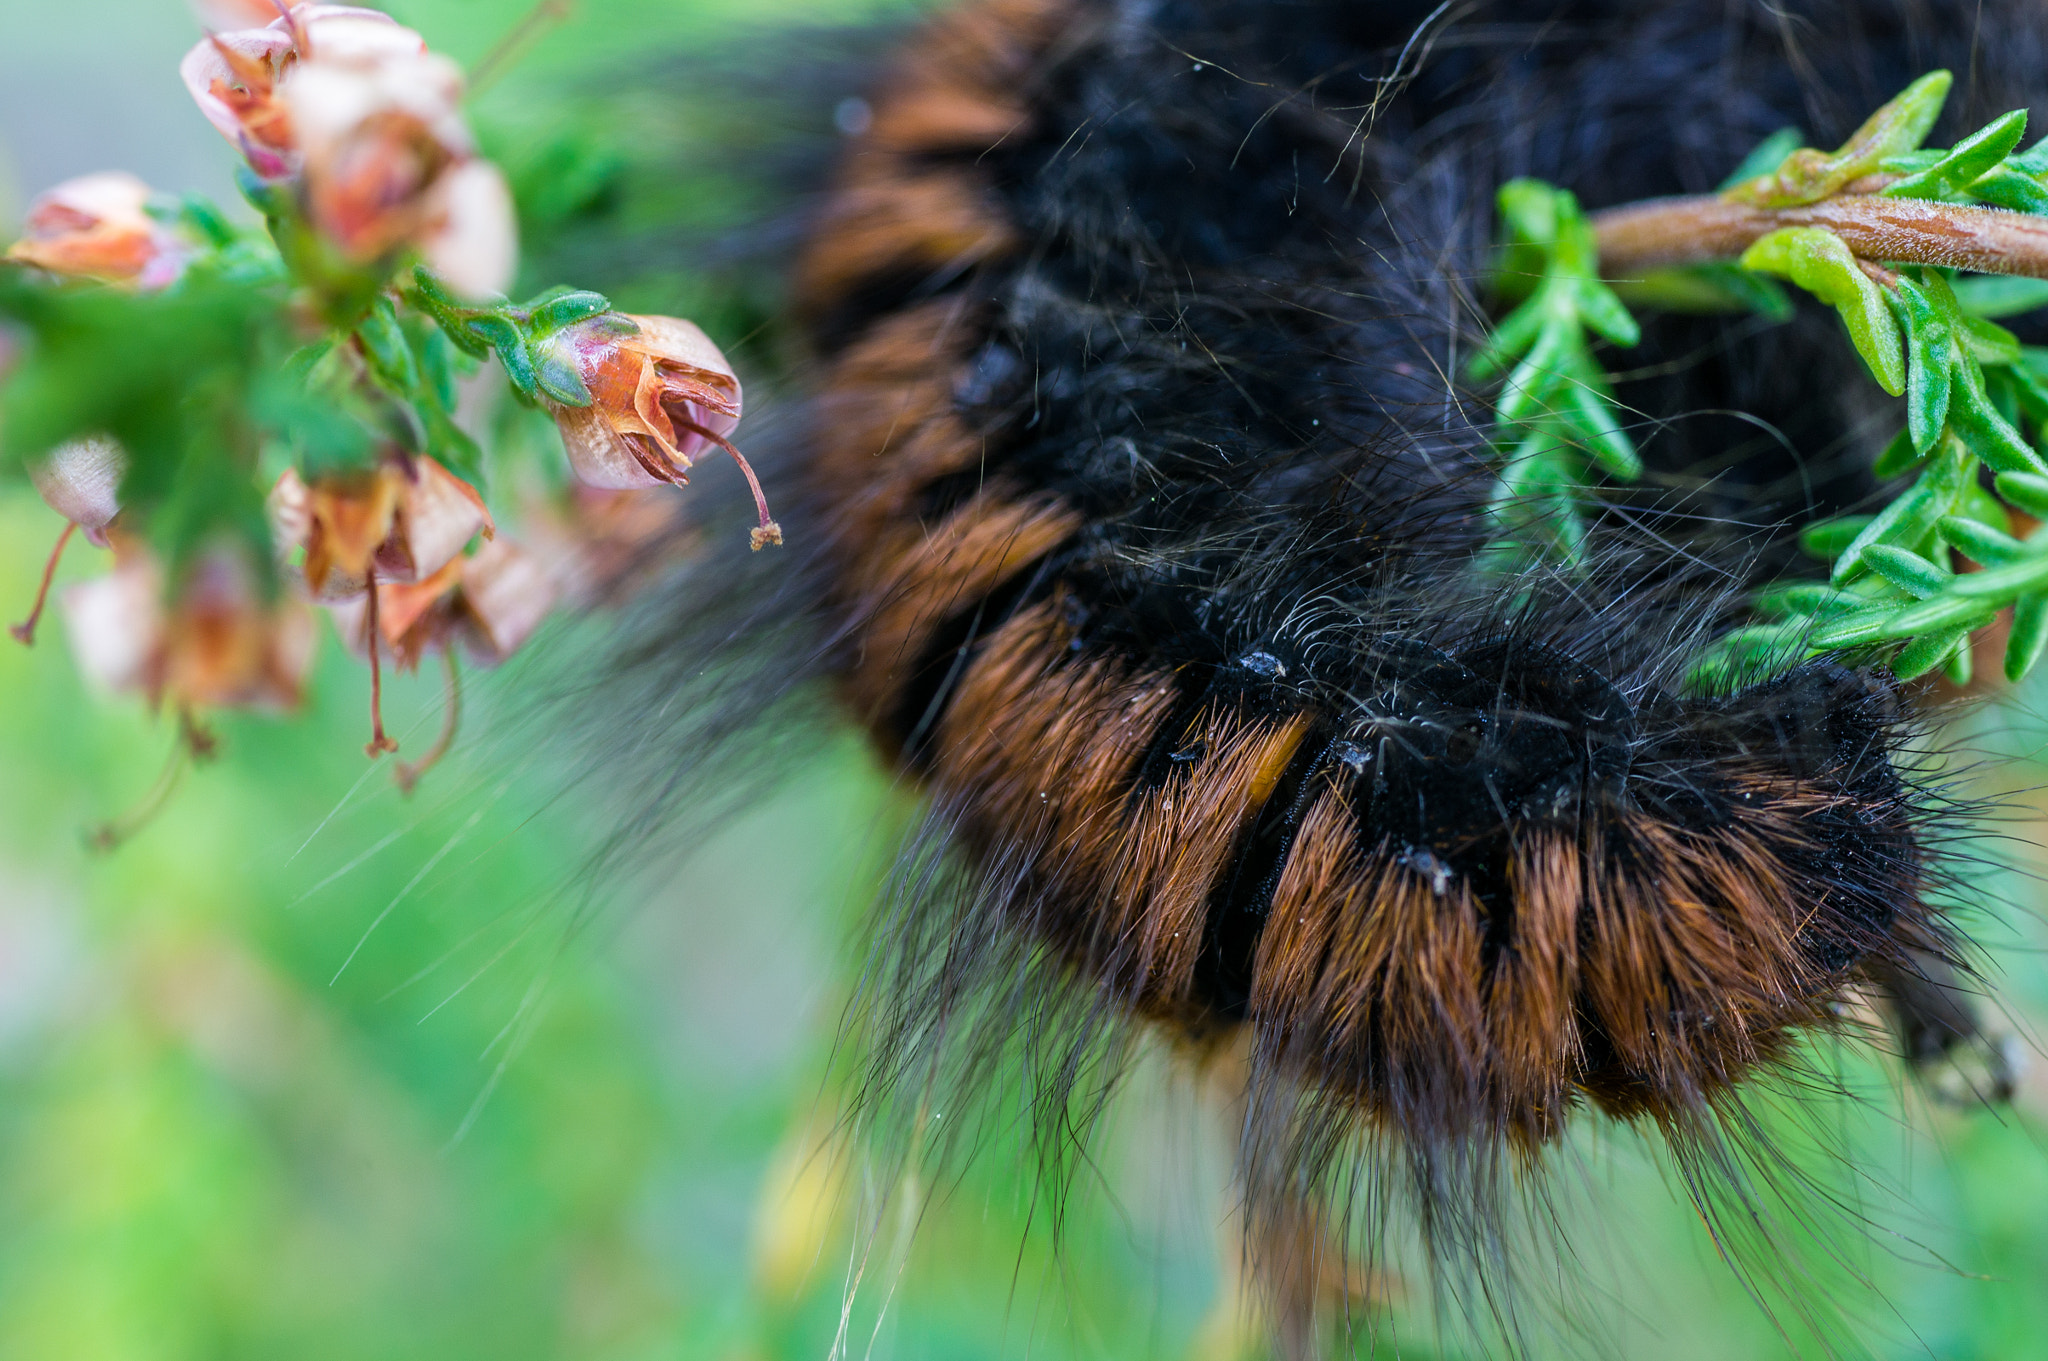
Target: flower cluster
{"points": [[328, 355]]}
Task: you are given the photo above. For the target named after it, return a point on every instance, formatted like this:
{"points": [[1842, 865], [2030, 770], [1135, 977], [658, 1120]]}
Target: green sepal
{"points": [[1821, 263], [553, 312], [386, 350], [1965, 162]]}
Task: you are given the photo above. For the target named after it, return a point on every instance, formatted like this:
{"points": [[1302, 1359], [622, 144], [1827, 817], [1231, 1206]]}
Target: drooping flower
{"points": [[217, 643], [98, 227], [235, 77], [81, 481], [661, 393], [403, 520], [369, 122], [488, 603]]}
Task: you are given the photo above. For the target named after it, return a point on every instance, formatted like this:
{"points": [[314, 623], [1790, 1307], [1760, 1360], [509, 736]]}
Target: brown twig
{"points": [[1662, 233], [25, 632], [408, 772]]}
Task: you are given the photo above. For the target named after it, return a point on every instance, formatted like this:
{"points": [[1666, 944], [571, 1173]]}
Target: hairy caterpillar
{"points": [[1144, 509]]}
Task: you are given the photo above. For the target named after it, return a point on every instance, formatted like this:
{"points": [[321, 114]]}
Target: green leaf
{"points": [[1718, 286], [1911, 517], [2029, 634], [1899, 457], [1907, 570], [1821, 263], [386, 349], [1931, 345], [1970, 158], [1925, 653], [2026, 491], [1980, 543], [2002, 295], [1829, 539], [1989, 342], [1807, 176], [2006, 188], [1764, 158]]}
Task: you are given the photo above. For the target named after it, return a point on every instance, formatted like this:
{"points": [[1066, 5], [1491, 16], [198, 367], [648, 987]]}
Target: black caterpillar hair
{"points": [[1142, 502]]}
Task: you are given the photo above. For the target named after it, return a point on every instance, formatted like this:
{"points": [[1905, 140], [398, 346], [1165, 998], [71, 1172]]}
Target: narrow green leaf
{"points": [[1807, 175], [1853, 629], [1907, 570], [1828, 539], [2002, 295], [1899, 457], [1926, 653], [2003, 583], [1931, 345], [1821, 263], [1525, 392], [2004, 187], [1601, 310], [1988, 341], [1913, 514], [1968, 159], [2024, 491], [1981, 544], [1593, 418], [1989, 434], [1516, 333], [2029, 634], [1764, 158], [1808, 599]]}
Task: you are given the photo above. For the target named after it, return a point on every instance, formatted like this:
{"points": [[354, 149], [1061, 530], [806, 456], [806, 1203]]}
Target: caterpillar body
{"points": [[1145, 505]]}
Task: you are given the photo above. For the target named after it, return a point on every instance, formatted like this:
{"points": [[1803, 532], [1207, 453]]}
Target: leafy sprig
{"points": [[1944, 556], [1554, 420]]}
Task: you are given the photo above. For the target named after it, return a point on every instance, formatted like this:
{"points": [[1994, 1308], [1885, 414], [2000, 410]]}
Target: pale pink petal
{"points": [[116, 624], [438, 514], [598, 454], [204, 65], [506, 593], [81, 481], [473, 242]]}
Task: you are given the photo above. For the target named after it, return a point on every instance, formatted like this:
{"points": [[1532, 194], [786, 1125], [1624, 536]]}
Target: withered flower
{"points": [[401, 521], [235, 77], [80, 480], [661, 396], [488, 603], [97, 227], [216, 643]]}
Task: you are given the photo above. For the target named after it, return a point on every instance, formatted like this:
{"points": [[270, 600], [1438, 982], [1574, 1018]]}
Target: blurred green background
{"points": [[309, 1070]]}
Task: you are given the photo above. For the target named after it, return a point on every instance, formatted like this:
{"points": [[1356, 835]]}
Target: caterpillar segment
{"points": [[1151, 508]]}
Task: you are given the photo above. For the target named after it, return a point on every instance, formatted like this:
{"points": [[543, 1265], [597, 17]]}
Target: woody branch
{"points": [[1664, 233]]}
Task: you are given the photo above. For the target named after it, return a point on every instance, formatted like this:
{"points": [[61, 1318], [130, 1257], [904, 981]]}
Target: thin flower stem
{"points": [[507, 50], [408, 772], [194, 744], [379, 743], [1662, 233], [25, 632], [768, 531]]}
